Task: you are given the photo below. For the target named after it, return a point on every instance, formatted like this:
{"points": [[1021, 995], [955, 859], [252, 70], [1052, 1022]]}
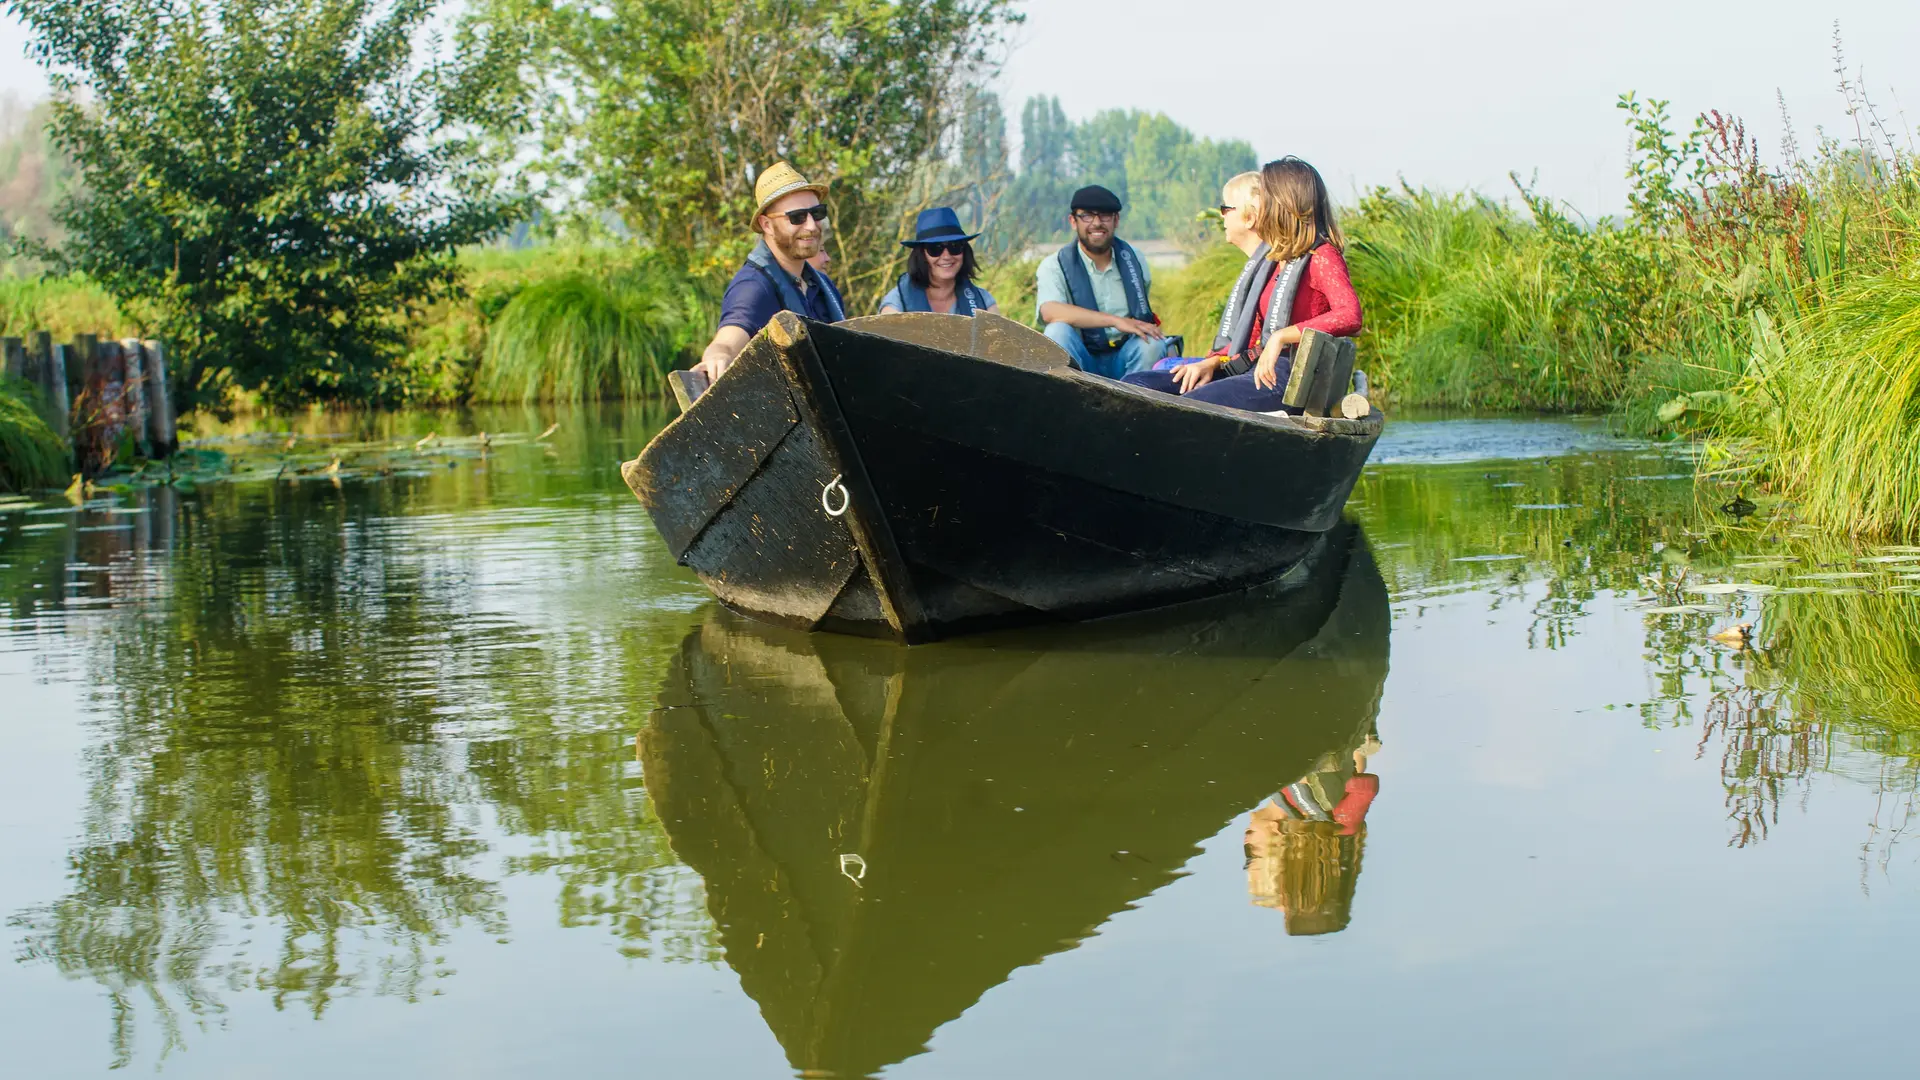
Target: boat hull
{"points": [[967, 478]]}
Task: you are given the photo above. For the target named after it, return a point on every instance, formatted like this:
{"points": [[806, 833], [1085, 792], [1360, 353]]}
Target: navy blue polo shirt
{"points": [[751, 303]]}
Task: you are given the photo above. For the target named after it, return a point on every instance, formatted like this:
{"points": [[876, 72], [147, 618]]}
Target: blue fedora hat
{"points": [[937, 225]]}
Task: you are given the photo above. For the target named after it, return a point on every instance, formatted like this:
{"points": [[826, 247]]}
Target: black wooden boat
{"points": [[886, 834], [919, 476]]}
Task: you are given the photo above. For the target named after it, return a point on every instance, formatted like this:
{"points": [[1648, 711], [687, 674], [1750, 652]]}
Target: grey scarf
{"points": [[1236, 338]]}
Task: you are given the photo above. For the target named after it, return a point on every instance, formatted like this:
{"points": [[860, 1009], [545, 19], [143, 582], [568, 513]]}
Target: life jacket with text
{"points": [[1236, 322], [967, 297], [788, 290], [1080, 290]]}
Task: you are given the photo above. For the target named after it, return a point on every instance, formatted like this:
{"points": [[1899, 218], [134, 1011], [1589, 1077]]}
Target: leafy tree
{"points": [[1036, 202], [1173, 176], [664, 111], [1160, 170], [270, 183]]}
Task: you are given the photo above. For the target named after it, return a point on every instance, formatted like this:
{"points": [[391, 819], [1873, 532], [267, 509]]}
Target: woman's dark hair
{"points": [[921, 274]]}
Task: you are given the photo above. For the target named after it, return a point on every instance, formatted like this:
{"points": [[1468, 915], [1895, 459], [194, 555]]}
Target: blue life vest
{"points": [[788, 290], [1080, 289], [967, 297]]}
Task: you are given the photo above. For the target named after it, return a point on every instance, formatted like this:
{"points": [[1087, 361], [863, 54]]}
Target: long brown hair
{"points": [[1295, 214]]}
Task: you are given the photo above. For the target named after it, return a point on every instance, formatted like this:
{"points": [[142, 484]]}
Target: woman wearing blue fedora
{"points": [[940, 269]]}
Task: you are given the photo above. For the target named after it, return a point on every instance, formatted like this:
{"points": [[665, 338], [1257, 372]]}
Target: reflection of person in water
{"points": [[1304, 844]]}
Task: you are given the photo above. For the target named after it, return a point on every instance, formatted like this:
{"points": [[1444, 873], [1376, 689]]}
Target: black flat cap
{"points": [[1095, 198]]}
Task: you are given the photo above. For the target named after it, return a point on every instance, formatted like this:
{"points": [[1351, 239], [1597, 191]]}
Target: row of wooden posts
{"points": [[98, 392]]}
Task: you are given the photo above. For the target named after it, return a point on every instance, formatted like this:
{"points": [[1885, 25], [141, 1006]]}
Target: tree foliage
{"points": [[1162, 172], [664, 111], [269, 183]]}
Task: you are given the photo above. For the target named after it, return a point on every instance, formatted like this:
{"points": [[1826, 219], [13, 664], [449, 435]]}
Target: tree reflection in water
{"points": [[1830, 682], [312, 737], [327, 726]]}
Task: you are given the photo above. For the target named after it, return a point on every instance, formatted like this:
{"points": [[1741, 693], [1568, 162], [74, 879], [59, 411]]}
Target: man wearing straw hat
{"points": [[778, 275]]}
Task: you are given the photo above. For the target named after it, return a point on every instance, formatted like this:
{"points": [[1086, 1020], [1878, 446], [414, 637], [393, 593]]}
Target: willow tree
{"points": [[663, 111], [270, 182]]}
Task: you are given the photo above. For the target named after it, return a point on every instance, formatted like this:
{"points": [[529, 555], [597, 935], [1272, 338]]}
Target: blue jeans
{"points": [[1237, 392], [1134, 353]]}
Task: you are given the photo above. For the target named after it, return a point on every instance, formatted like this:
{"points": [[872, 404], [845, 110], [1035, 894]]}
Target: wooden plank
{"points": [[986, 335], [865, 517], [693, 468], [772, 551], [15, 364], [687, 386], [1053, 543], [1315, 349], [1330, 382]]}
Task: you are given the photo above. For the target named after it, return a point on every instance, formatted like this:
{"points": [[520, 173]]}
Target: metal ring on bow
{"points": [[826, 497]]}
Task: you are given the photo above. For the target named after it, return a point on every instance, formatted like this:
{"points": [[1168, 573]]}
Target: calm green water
{"points": [[440, 767]]}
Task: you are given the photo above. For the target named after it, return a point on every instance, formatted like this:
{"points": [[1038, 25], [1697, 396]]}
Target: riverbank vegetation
{"points": [[31, 454], [333, 240]]}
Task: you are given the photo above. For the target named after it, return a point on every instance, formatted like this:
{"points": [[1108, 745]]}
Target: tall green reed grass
{"points": [[31, 455], [65, 305], [594, 333], [1830, 415]]}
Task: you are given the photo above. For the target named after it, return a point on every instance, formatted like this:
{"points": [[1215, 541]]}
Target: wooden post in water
{"points": [[160, 429], [55, 376], [136, 394], [16, 361]]}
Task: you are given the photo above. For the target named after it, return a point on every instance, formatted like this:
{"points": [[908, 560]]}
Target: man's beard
{"points": [[1098, 247], [797, 248]]}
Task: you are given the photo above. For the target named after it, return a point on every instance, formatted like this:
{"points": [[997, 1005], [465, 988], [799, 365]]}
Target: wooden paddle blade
{"points": [[687, 387]]}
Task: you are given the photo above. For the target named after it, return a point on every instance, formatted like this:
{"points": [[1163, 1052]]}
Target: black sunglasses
{"points": [[1225, 209], [817, 212], [948, 247]]}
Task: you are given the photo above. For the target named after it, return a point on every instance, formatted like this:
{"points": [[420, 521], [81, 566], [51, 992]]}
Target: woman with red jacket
{"points": [[1294, 218]]}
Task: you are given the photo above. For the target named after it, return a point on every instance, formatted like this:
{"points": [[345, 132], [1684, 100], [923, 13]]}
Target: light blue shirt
{"points": [[1109, 291], [892, 299]]}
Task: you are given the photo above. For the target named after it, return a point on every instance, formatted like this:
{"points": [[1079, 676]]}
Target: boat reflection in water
{"points": [[886, 833]]}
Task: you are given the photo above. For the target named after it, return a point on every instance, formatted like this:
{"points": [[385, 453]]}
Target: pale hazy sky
{"points": [[1457, 93], [1450, 94]]}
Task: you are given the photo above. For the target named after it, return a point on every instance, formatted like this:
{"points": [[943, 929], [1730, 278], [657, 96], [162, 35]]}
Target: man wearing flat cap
{"points": [[779, 274], [1094, 293]]}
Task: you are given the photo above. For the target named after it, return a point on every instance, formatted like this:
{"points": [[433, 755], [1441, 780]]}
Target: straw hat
{"points": [[781, 179]]}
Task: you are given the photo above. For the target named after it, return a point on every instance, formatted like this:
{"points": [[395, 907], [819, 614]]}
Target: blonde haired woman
{"points": [[1307, 288]]}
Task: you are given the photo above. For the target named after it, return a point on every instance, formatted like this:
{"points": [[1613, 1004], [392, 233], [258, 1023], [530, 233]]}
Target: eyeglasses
{"points": [[950, 247], [1091, 216], [1225, 209], [817, 212]]}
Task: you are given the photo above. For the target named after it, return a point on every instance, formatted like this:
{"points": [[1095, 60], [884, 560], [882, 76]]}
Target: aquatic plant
{"points": [[31, 455], [594, 334]]}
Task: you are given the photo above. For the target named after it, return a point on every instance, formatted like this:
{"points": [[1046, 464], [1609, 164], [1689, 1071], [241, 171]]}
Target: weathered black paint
{"points": [[987, 483]]}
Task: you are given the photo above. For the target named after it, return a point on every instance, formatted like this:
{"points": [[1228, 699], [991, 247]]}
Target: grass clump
{"points": [[594, 333], [62, 304], [31, 455], [1833, 421]]}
